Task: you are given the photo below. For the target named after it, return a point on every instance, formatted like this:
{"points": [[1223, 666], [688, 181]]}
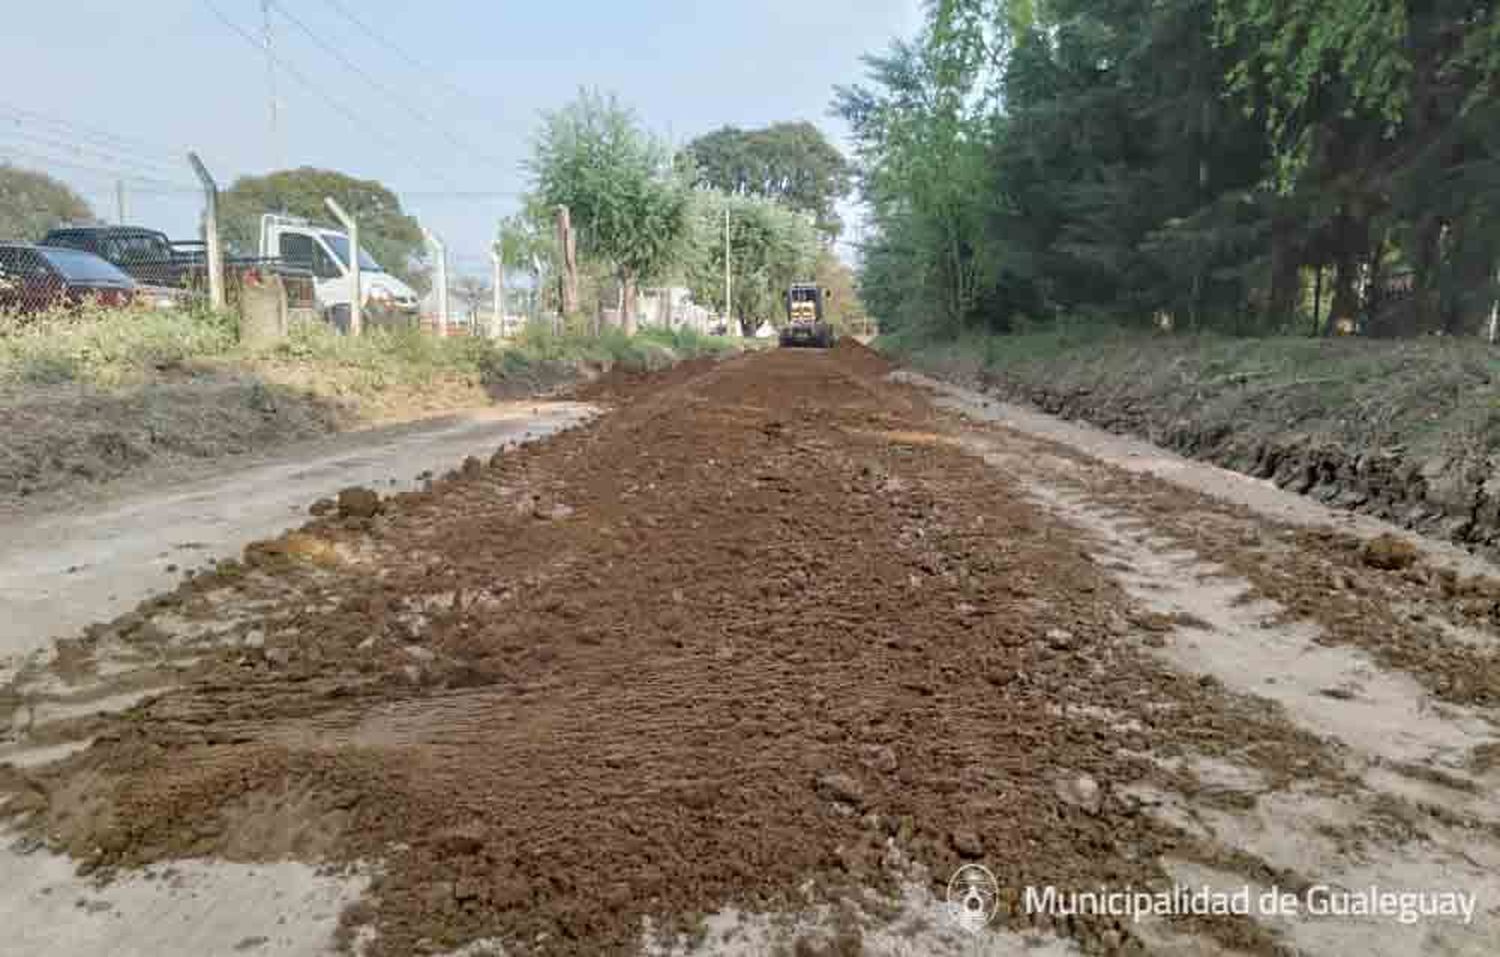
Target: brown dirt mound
{"points": [[860, 357], [739, 634]]}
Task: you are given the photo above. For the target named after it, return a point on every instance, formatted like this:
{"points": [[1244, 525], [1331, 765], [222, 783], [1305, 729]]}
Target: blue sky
{"points": [[125, 89]]}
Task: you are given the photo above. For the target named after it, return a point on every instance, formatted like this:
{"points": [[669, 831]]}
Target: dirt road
{"points": [[80, 563], [752, 664]]}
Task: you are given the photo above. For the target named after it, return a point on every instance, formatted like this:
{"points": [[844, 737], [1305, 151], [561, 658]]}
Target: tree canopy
{"points": [[770, 246], [391, 236], [1247, 165], [792, 163], [628, 205], [32, 203]]}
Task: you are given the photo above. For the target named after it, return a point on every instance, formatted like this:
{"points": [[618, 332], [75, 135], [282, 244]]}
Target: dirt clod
{"points": [[1388, 553], [967, 843], [358, 502], [842, 788]]}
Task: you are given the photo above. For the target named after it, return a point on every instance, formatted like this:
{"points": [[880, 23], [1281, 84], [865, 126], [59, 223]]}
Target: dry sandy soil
{"points": [[752, 664]]}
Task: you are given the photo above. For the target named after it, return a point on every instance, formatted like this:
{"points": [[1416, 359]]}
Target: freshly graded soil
{"points": [[753, 631]]}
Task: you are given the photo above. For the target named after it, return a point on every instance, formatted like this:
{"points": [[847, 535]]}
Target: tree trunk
{"points": [[1349, 243], [1317, 301], [1343, 312], [1427, 264], [1286, 276]]}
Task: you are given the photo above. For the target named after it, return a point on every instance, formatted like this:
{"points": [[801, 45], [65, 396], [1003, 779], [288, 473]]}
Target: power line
{"points": [[421, 115], [462, 194], [397, 147], [40, 141], [162, 185], [426, 71], [101, 137]]}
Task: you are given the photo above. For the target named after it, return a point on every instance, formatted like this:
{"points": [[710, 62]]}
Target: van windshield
{"points": [[339, 243]]}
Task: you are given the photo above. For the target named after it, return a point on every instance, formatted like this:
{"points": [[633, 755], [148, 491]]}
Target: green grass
{"points": [[107, 346], [110, 347]]}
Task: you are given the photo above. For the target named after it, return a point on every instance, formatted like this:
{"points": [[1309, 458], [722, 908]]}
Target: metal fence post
{"points": [[441, 254], [211, 232], [356, 299]]}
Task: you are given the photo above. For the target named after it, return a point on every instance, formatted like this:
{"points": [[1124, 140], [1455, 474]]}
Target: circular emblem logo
{"points": [[973, 897]]}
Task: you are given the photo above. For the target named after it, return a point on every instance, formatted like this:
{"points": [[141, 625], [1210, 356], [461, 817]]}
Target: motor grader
{"points": [[806, 324]]}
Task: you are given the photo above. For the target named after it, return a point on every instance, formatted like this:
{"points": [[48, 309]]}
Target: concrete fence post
{"points": [[356, 288], [440, 254], [212, 248]]}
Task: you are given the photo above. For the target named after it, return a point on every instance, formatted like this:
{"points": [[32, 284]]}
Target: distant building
{"points": [[672, 307]]}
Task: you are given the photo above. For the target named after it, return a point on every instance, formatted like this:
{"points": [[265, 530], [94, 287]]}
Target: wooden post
{"points": [[569, 275]]}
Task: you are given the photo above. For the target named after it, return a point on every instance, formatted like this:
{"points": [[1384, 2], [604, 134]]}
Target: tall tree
{"points": [[844, 309], [628, 204], [922, 125], [770, 247], [32, 203], [385, 230], [1125, 158], [792, 163]]}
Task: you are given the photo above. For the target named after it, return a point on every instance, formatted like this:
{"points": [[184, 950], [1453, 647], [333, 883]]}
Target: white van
{"points": [[324, 251]]}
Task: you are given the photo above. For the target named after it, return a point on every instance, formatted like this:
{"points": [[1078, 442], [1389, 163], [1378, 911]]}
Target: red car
{"points": [[38, 278]]}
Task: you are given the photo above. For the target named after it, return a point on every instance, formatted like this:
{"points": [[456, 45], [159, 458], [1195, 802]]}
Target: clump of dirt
{"points": [[1389, 553], [358, 502], [750, 630]]}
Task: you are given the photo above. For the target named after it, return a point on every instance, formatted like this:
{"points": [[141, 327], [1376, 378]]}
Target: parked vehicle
{"points": [[147, 255], [151, 258], [37, 278], [324, 251]]}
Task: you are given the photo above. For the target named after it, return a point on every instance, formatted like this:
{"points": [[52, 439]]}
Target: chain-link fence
{"points": [[64, 240], [65, 244]]}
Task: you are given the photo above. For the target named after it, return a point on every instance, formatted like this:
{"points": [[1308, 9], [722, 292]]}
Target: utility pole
{"points": [[119, 202], [728, 283], [265, 17], [356, 299], [211, 245]]}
